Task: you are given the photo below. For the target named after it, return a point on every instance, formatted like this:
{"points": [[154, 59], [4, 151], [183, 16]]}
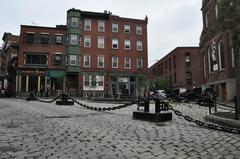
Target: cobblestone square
{"points": [[39, 130]]}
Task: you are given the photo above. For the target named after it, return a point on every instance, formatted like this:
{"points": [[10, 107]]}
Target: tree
{"points": [[161, 83]]}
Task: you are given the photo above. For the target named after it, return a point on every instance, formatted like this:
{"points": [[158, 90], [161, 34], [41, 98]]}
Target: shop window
{"points": [[44, 38], [35, 59], [29, 37]]}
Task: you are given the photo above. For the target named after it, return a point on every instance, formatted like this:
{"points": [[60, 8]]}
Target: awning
{"points": [[56, 73]]}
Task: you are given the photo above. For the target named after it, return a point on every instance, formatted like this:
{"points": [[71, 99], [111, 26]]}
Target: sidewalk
{"points": [[224, 119]]}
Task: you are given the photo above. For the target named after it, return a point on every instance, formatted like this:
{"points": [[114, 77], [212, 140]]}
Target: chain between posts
{"points": [[104, 108], [203, 124]]}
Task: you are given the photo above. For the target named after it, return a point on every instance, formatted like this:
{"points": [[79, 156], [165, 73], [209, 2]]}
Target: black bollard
{"points": [[157, 105], [146, 105]]}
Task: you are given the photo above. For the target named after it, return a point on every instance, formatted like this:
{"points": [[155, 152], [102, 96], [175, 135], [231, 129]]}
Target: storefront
{"points": [[56, 81]]}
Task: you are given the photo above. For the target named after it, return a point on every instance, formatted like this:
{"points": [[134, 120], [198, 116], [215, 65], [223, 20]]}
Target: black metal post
{"points": [[146, 105], [157, 105], [236, 110]]}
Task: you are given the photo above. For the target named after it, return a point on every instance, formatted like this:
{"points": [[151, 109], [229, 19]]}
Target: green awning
{"points": [[56, 73]]}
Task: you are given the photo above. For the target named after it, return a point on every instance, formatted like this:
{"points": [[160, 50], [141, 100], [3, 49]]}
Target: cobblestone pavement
{"points": [[39, 130]]}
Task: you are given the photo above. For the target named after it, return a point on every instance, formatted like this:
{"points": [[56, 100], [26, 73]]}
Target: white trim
{"points": [[44, 33], [59, 34]]}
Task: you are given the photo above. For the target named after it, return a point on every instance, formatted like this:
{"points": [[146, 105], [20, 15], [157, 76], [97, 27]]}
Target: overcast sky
{"points": [[172, 23]]}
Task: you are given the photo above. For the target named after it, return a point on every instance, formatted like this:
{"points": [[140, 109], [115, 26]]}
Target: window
{"points": [[100, 42], [87, 61], [87, 41], [73, 59], [59, 39], [115, 43], [221, 55], [212, 58], [29, 37], [127, 44], [100, 61], [87, 24], [114, 27], [86, 80], [189, 78], [73, 39], [187, 59], [127, 29], [58, 59], [139, 30], [44, 38], [139, 45], [139, 63], [127, 63], [174, 62], [99, 80], [101, 26], [114, 62], [74, 22], [35, 59], [206, 18]]}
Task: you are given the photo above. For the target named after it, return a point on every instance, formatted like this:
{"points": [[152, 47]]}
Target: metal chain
{"points": [[203, 124], [106, 108]]}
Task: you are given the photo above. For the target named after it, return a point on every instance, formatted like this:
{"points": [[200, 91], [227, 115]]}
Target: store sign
{"points": [[122, 79], [34, 72]]}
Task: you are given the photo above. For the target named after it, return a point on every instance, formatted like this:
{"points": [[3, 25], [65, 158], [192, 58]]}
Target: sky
{"points": [[171, 23]]}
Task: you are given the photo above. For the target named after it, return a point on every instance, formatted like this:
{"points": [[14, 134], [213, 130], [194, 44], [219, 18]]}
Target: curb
{"points": [[223, 121]]}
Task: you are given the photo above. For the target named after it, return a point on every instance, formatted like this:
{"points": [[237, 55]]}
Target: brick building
{"points": [[217, 53], [8, 63], [181, 66], [95, 54]]}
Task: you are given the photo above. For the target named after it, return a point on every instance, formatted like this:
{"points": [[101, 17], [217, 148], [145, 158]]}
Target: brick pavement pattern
{"points": [[39, 130]]}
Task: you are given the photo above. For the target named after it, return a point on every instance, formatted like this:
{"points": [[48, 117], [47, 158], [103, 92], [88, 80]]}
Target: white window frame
{"points": [[85, 57], [127, 29], [74, 22], [114, 58], [87, 39], [139, 45], [71, 59], [115, 26], [139, 30], [127, 44], [101, 26], [73, 39], [141, 63], [87, 24], [115, 41], [127, 60], [101, 43], [99, 58]]}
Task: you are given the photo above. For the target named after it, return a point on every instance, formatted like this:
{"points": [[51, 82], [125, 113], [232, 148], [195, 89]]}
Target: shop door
{"points": [[33, 84]]}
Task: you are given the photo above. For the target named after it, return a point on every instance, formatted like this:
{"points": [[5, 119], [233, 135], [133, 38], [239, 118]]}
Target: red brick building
{"points": [[95, 54], [217, 53], [181, 66], [8, 63]]}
